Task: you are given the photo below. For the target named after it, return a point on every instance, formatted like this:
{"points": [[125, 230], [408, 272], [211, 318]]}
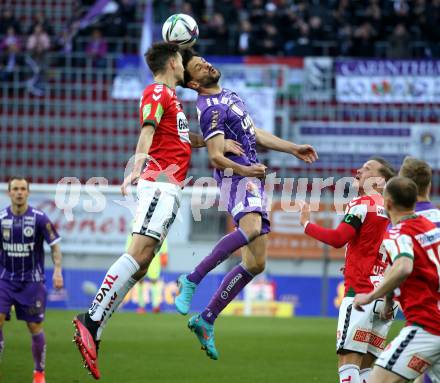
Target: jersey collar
{"points": [[406, 217]]}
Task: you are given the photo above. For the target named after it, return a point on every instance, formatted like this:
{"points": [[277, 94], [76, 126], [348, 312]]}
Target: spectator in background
{"points": [[244, 38], [344, 39], [433, 29], [270, 42], [37, 45], [228, 9], [373, 14], [363, 43], [316, 33], [40, 19], [399, 47], [10, 48], [8, 20], [217, 31], [38, 42], [97, 49], [256, 12]]}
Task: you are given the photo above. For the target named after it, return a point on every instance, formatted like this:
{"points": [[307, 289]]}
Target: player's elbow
{"points": [[216, 160], [338, 242]]}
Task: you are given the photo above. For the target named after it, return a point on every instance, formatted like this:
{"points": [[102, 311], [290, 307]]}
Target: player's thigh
{"points": [[7, 291], [380, 375], [30, 302], [350, 357], [157, 208], [354, 328], [368, 361], [251, 224], [379, 330], [2, 320], [433, 373], [410, 353]]}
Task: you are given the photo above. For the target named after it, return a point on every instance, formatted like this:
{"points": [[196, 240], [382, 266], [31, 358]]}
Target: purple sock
{"points": [[39, 351], [222, 250], [232, 284]]}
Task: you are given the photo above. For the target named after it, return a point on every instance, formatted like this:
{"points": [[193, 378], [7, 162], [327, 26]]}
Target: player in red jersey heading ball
{"points": [[166, 142]]}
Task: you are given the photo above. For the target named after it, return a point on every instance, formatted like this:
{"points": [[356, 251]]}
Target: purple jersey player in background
{"points": [[421, 173], [23, 230], [223, 115]]}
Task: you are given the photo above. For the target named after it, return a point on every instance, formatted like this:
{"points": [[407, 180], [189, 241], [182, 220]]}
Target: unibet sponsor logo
{"points": [[18, 249], [108, 282]]}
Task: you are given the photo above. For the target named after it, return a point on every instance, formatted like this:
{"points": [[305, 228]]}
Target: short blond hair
{"points": [[419, 171]]}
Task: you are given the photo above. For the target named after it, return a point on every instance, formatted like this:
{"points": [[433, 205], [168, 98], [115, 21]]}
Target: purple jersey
{"points": [[429, 211], [225, 113], [21, 251]]}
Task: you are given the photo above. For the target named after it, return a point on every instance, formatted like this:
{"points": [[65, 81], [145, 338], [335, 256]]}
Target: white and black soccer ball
{"points": [[180, 29]]}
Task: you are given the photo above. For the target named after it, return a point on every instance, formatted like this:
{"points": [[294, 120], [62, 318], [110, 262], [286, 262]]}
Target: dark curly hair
{"points": [[187, 55]]}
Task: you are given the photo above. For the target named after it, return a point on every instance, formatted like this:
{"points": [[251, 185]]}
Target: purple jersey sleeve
{"points": [[49, 232], [212, 121]]}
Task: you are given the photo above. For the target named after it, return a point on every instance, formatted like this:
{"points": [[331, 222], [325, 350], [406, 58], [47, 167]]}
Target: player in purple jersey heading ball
{"points": [[223, 115], [23, 230]]}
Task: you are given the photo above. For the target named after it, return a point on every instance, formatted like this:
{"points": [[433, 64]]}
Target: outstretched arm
{"points": [[269, 141], [334, 237]]}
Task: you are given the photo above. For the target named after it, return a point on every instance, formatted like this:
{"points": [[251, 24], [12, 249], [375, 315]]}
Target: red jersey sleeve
{"points": [[154, 102], [334, 237]]}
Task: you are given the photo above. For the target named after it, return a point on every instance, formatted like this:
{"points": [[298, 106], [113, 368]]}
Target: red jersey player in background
{"points": [[413, 247], [165, 141], [421, 173], [360, 336]]}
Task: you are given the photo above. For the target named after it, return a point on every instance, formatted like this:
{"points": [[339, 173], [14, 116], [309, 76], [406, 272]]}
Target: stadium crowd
{"points": [[361, 28]]}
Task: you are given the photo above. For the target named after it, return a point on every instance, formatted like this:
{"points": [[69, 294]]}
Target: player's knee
{"points": [[35, 328], [140, 274], [252, 231], [257, 267]]}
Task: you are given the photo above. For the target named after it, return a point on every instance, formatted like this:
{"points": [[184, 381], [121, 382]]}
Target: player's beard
{"points": [[212, 79]]}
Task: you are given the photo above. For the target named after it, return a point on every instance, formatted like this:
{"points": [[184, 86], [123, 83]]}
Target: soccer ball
{"points": [[180, 29]]}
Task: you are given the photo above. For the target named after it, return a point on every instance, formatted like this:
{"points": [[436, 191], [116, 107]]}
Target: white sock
{"points": [[364, 375], [349, 373], [117, 276], [107, 314]]}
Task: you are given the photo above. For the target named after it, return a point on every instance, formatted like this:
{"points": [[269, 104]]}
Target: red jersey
{"points": [[364, 262], [170, 151], [419, 295]]}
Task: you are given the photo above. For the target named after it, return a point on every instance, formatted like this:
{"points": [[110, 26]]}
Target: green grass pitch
{"points": [[159, 348]]}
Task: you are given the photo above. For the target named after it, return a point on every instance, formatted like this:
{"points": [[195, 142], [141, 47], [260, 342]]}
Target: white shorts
{"points": [[361, 331], [158, 203], [413, 352]]}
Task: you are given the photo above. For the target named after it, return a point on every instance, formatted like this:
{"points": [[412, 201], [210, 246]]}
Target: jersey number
{"points": [[435, 258]]}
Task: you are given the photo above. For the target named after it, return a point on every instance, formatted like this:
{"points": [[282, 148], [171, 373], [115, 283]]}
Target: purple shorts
{"points": [[28, 298], [243, 196]]}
